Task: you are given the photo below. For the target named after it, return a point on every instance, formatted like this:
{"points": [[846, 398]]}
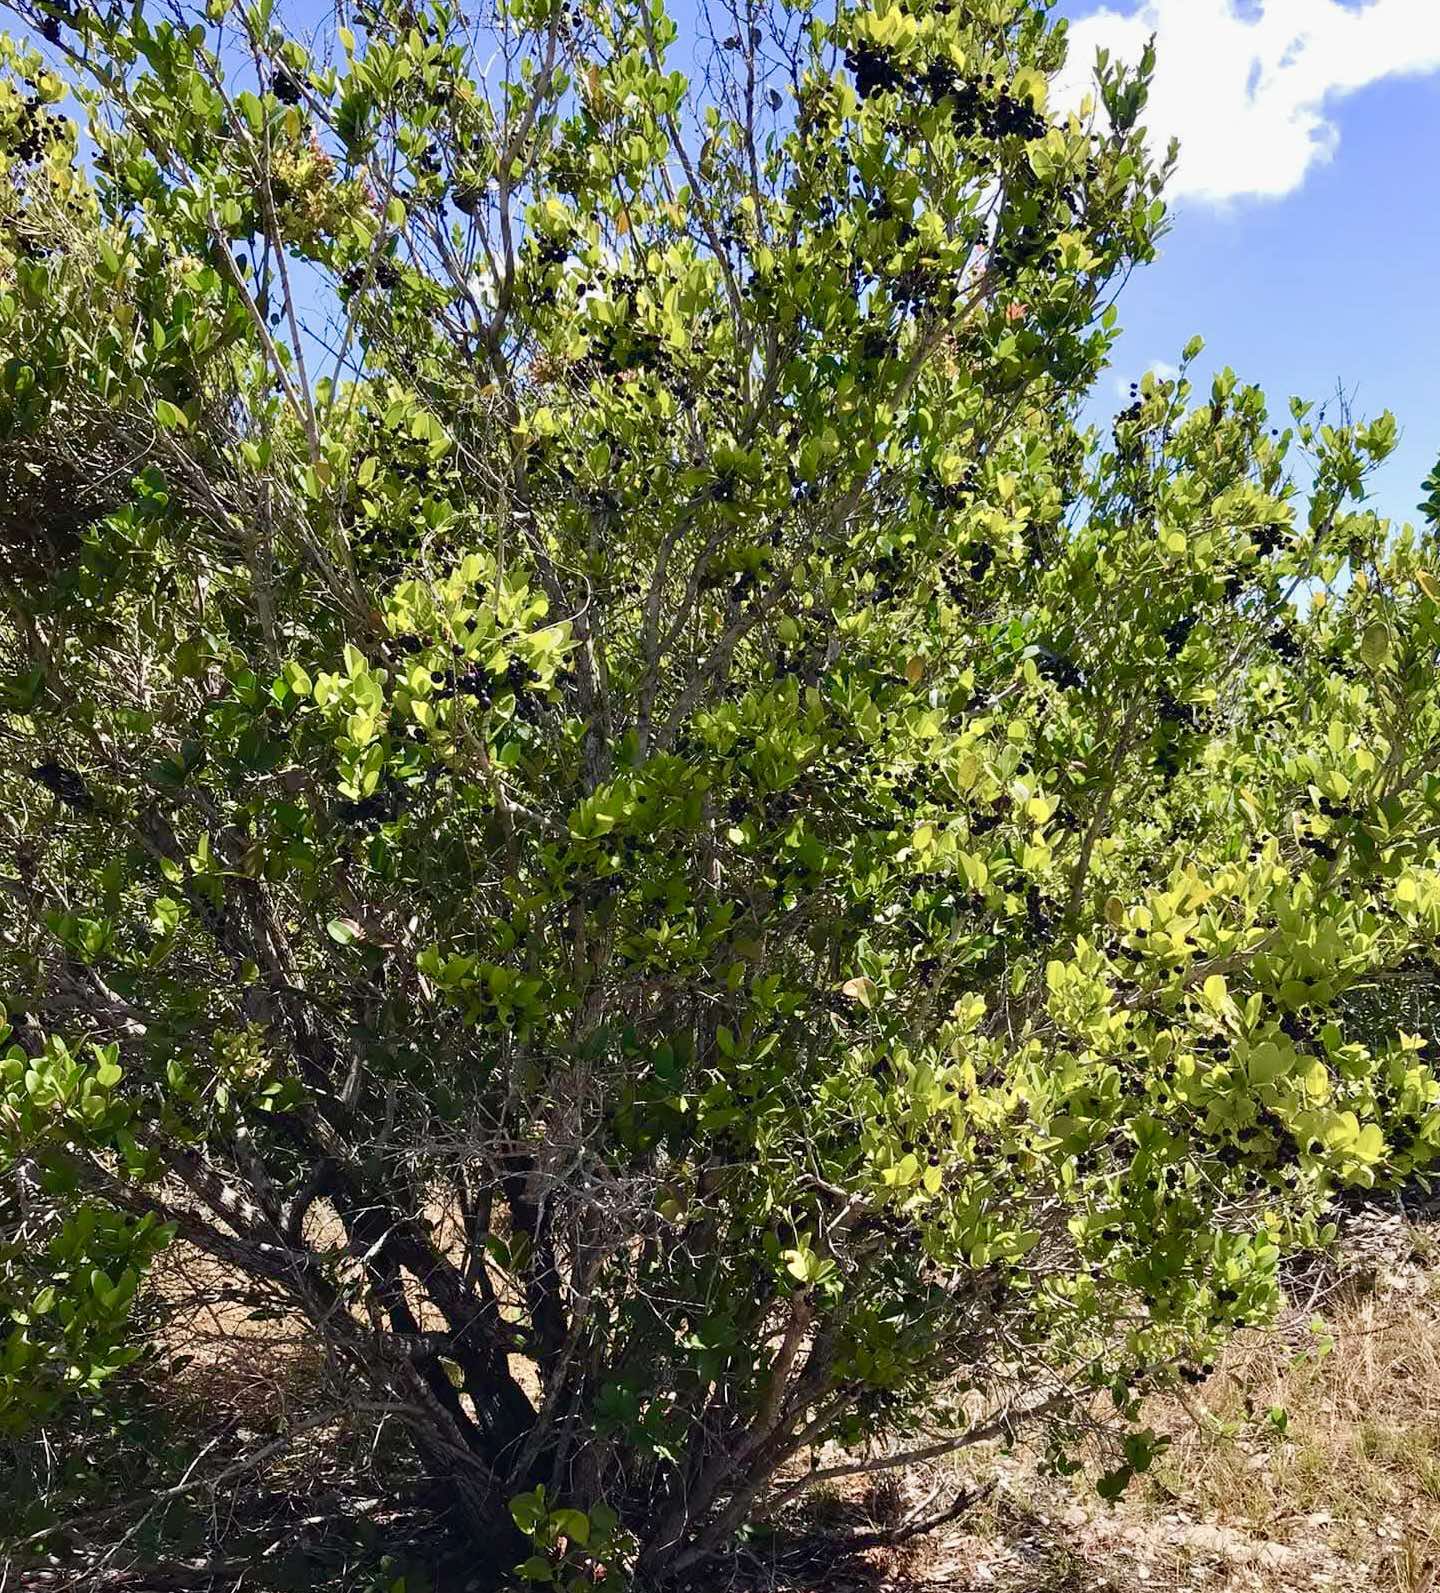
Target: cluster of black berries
{"points": [[949, 494], [880, 209], [978, 559], [876, 71], [1295, 1028], [1177, 633], [30, 247], [1268, 1121], [63, 783], [1057, 668], [927, 968], [916, 286], [1284, 645], [1320, 847], [66, 16], [475, 682], [284, 87], [382, 806], [1013, 117], [621, 284], [786, 664], [629, 349], [736, 809], [944, 80], [1126, 430], [384, 550], [384, 273], [1173, 711], [877, 344], [1039, 926], [1269, 538], [522, 680], [756, 288], [1017, 249], [1005, 115], [908, 791], [34, 128], [730, 232], [883, 590], [551, 251]]}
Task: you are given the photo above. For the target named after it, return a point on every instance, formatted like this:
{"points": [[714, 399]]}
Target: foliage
{"points": [[601, 775], [572, 1547]]}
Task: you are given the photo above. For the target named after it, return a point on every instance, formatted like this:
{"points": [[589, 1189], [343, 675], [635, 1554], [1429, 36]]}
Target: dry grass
{"points": [[1310, 1460], [1329, 1448]]}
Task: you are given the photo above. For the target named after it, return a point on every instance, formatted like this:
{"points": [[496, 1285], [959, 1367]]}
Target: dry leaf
{"points": [[861, 989]]}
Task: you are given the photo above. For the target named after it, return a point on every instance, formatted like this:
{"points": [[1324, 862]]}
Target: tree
{"points": [[601, 776]]}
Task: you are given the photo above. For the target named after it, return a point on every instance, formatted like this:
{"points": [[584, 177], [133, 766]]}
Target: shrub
{"points": [[601, 720]]}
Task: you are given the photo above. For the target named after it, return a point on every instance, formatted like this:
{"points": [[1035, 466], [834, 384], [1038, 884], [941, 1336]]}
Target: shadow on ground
{"points": [[814, 1557]]}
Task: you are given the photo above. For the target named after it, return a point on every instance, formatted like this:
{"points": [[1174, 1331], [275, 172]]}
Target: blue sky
{"points": [[1305, 244]]}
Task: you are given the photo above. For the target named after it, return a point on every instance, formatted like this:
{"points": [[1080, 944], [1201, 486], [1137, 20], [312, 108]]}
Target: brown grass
{"points": [[1309, 1460], [1347, 1469]]}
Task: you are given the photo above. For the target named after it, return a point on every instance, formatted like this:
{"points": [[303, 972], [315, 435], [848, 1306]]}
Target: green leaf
{"points": [[528, 1511], [1114, 1483], [1216, 993], [799, 1264], [297, 679], [252, 110], [573, 1524], [1375, 645]]}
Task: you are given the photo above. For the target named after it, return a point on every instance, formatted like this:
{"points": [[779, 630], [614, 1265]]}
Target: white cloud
{"points": [[1248, 85]]}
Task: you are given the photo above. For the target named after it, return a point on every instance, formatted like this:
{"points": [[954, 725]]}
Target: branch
{"points": [[1000, 1426], [965, 1501]]}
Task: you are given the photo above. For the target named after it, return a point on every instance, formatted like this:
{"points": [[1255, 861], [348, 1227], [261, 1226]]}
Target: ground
{"points": [[1310, 1460]]}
